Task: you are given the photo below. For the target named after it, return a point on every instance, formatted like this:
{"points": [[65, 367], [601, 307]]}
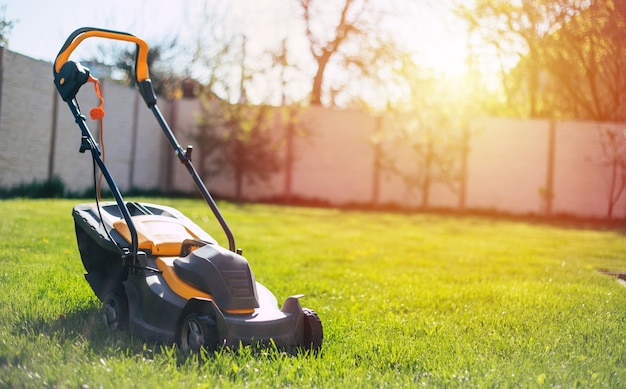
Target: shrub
{"points": [[36, 189]]}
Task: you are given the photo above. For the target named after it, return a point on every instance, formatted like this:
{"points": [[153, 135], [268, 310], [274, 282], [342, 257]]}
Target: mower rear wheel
{"points": [[313, 334], [198, 331], [115, 311]]}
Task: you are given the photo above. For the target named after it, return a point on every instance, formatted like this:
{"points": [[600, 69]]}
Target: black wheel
{"points": [[313, 334], [115, 311], [198, 331]]}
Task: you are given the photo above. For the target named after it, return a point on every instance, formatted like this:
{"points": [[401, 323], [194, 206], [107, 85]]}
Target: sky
{"points": [[41, 26]]}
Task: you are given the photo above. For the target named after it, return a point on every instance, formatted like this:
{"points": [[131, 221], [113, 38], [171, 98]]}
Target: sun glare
{"points": [[446, 57]]}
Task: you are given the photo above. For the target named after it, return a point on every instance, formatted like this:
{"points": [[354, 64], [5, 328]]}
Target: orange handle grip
{"points": [[141, 62]]}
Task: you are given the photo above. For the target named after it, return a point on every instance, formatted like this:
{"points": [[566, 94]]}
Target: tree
{"points": [[518, 30], [590, 46], [236, 140], [165, 80], [613, 144], [357, 45], [432, 121], [289, 113], [235, 136], [570, 55], [6, 26]]}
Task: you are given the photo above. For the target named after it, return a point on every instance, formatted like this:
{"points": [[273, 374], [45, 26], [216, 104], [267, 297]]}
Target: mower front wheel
{"points": [[198, 331], [115, 311], [313, 335]]}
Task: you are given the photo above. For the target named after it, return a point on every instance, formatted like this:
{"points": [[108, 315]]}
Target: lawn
{"points": [[406, 301]]}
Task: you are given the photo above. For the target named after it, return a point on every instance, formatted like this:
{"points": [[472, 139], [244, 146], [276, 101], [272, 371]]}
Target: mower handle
{"points": [[141, 66], [141, 62], [69, 76]]}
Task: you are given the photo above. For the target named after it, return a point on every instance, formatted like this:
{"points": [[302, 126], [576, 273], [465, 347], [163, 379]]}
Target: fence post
{"points": [[463, 173], [289, 153], [167, 180], [133, 143], [548, 193], [377, 159], [53, 134], [2, 51]]}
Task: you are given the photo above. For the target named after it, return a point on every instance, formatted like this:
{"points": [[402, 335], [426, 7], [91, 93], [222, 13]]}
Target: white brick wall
{"points": [[26, 119]]}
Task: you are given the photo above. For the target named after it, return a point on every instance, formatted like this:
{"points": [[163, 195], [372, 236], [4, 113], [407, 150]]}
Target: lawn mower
{"points": [[157, 273]]}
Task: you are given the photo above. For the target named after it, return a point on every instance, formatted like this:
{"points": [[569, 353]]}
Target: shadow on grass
{"points": [[87, 326], [619, 275]]}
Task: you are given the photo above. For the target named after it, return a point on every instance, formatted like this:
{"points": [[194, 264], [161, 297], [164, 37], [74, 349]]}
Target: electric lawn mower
{"points": [[157, 273]]}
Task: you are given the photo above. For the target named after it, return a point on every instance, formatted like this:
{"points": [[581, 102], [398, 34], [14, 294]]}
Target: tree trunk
{"points": [[316, 92], [289, 155], [239, 170], [428, 163]]}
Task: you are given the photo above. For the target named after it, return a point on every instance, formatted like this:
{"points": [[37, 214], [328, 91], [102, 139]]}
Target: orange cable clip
{"points": [[97, 113]]}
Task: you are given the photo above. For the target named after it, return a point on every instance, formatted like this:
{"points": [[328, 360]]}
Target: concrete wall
{"points": [[507, 164], [39, 137], [511, 164], [25, 119], [334, 159], [582, 174]]}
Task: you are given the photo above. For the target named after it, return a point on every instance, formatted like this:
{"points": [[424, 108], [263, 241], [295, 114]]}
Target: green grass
{"points": [[406, 301]]}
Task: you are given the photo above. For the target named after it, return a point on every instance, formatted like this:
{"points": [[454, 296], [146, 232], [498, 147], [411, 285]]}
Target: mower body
{"points": [[185, 272]]}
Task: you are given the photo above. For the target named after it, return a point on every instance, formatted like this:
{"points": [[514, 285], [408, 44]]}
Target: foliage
{"points": [[6, 26], [166, 81], [56, 188], [436, 143], [356, 45], [434, 124], [518, 28], [52, 188], [237, 140], [613, 145], [590, 46], [406, 301], [569, 55]]}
